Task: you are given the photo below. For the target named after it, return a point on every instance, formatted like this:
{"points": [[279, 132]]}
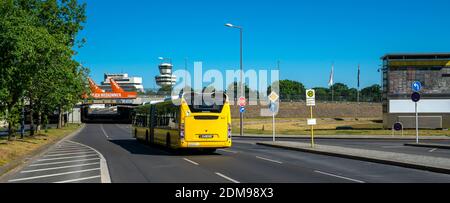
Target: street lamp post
{"points": [[242, 72]]}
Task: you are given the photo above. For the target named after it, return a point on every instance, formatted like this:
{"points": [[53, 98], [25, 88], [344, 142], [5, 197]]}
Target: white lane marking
{"points": [[68, 148], [392, 147], [229, 151], [192, 162], [52, 175], [104, 171], [65, 162], [228, 178], [68, 151], [71, 157], [266, 159], [341, 177], [104, 132], [62, 167], [75, 153], [78, 179], [433, 150]]}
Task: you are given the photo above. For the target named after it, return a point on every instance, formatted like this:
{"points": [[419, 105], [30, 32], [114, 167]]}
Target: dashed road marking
{"points": [[79, 179], [228, 178], [70, 157], [341, 177], [104, 171], [192, 162], [64, 154], [433, 150], [56, 168], [64, 162], [52, 175], [392, 147], [104, 132], [266, 159]]}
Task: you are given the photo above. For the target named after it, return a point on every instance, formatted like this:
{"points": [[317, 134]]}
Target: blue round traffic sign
{"points": [[398, 126], [415, 97], [242, 110], [416, 86]]}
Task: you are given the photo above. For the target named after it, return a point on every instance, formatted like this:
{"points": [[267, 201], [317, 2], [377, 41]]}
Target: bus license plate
{"points": [[206, 136]]}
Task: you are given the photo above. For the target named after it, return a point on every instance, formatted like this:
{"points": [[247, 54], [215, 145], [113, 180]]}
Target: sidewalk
{"points": [[374, 137], [435, 164]]}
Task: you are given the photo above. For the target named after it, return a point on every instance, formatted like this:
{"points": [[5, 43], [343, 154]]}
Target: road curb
{"points": [[425, 145], [362, 158], [15, 166]]}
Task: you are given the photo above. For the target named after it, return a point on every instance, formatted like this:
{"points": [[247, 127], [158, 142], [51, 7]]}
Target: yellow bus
{"points": [[185, 123]]}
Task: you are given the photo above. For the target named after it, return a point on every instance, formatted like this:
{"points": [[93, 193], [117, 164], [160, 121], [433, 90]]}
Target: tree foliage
{"points": [[36, 56]]}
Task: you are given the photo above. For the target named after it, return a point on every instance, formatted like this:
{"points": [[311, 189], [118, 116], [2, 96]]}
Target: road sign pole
{"points": [[312, 130], [417, 125], [273, 116]]}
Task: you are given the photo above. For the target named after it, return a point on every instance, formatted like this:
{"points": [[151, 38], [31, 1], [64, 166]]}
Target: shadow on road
{"points": [[135, 147]]}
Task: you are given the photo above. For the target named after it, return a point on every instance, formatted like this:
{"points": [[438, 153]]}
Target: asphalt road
{"points": [[379, 145], [131, 161]]}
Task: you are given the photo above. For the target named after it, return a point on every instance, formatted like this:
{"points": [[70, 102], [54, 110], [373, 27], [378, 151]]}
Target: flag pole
{"points": [[358, 90]]}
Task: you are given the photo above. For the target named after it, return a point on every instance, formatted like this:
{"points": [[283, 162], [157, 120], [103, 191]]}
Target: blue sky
{"points": [[306, 36]]}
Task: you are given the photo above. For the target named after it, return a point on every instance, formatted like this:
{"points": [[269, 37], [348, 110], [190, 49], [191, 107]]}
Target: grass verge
{"points": [[326, 126], [19, 148]]}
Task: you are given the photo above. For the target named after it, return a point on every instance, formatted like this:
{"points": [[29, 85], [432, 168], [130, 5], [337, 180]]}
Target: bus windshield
{"points": [[205, 103]]}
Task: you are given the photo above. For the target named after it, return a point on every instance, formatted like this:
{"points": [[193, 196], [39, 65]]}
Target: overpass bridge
{"points": [[111, 107]]}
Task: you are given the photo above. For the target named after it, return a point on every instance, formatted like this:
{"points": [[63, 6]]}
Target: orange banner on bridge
{"points": [[117, 93]]}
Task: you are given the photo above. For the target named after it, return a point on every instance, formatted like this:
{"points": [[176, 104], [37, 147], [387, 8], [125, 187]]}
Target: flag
{"points": [[331, 82], [359, 76]]}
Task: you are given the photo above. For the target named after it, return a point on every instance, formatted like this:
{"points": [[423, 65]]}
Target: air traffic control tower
{"points": [[166, 78], [399, 73]]}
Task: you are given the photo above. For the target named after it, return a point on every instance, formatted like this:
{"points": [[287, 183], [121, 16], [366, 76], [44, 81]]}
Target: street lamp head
{"points": [[229, 25]]}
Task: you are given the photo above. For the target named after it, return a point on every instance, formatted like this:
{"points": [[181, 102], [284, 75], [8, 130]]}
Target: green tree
{"points": [[371, 94], [22, 46], [292, 90], [322, 94]]}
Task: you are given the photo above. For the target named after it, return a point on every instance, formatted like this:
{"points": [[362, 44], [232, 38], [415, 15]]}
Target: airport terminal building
{"points": [[399, 72]]}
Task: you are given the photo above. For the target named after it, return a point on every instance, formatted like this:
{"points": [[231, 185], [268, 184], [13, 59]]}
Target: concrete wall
{"points": [[322, 110], [74, 116]]}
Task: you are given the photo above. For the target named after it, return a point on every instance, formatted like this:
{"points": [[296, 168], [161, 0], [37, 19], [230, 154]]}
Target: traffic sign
{"points": [[415, 97], [312, 122], [242, 102], [273, 107], [416, 86], [310, 97], [398, 126], [273, 97], [242, 110]]}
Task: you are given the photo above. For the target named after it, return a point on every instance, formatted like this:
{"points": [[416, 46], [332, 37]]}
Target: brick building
{"points": [[399, 72]]}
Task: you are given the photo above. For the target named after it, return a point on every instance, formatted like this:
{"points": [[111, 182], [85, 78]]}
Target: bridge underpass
{"points": [[112, 110], [120, 114]]}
